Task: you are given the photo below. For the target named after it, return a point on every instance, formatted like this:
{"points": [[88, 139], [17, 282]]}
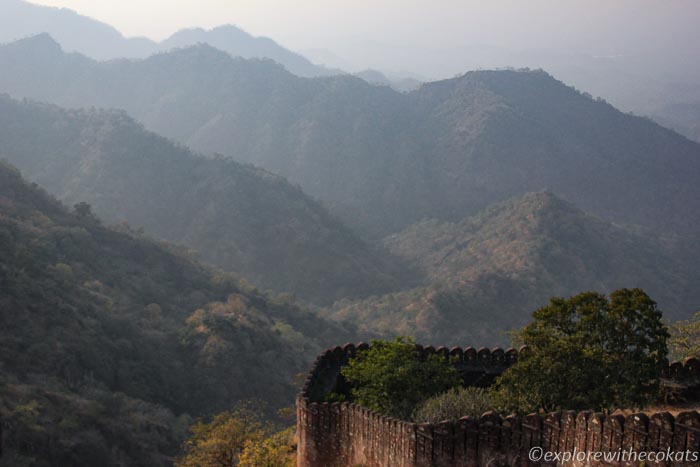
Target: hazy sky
{"points": [[353, 29]]}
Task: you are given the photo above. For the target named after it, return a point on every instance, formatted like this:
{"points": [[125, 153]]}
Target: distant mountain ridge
{"points": [[383, 160], [486, 273], [185, 224], [238, 43], [237, 217], [78, 33], [660, 96], [378, 78]]}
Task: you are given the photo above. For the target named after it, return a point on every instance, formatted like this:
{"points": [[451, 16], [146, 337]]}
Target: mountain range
{"points": [[648, 82], [78, 33], [234, 216], [185, 224], [484, 271], [379, 159]]}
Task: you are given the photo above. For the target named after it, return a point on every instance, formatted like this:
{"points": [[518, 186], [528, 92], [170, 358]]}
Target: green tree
{"points": [[220, 442], [685, 338], [238, 438], [391, 377], [588, 352], [276, 450], [84, 211]]}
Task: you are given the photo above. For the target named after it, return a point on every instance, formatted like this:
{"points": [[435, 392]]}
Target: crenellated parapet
{"points": [[478, 366], [682, 379], [346, 434]]}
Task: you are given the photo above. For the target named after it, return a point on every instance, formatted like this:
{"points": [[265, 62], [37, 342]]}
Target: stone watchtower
{"points": [[346, 434]]}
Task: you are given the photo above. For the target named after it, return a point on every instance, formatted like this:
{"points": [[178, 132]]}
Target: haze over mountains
{"points": [[646, 80], [237, 217], [682, 117], [628, 62], [77, 33], [643, 79], [483, 270], [382, 160], [443, 152], [447, 211]]}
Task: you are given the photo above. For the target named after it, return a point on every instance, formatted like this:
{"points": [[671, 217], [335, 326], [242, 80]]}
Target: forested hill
{"points": [[383, 160], [110, 343], [487, 272], [237, 217]]}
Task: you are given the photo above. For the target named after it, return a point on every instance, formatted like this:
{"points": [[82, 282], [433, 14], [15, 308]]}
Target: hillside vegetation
{"points": [[485, 272], [380, 159], [110, 342], [447, 213], [235, 216]]}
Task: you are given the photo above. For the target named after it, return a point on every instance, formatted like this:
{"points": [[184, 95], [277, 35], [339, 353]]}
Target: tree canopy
{"points": [[588, 352], [393, 378], [685, 338], [238, 438]]}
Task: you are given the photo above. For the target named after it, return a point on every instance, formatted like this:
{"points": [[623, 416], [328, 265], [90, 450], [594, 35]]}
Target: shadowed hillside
{"points": [[487, 272], [237, 217], [380, 159], [110, 343]]}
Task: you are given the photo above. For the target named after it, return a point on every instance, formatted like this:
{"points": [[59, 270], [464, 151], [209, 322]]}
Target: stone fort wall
{"points": [[346, 434]]}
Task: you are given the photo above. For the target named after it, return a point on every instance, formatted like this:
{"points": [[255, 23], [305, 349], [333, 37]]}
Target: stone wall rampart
{"points": [[346, 434]]}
